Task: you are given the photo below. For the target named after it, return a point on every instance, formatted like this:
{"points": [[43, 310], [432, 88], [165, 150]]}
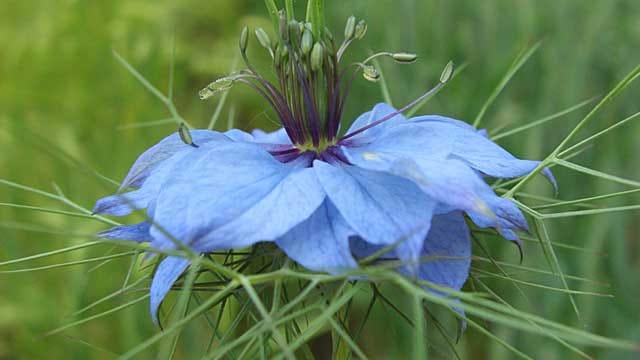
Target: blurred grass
{"points": [[63, 98]]}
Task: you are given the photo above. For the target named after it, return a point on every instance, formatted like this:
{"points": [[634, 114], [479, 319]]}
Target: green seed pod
{"points": [[263, 38], [370, 73], [447, 73], [307, 42], [404, 58], [361, 29], [185, 135], [244, 39], [317, 57], [350, 28]]}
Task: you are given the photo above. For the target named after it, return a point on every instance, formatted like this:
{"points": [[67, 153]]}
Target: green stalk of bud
{"points": [[361, 29], [404, 58], [447, 73], [350, 28], [317, 57], [263, 38], [307, 42], [370, 73], [244, 39]]}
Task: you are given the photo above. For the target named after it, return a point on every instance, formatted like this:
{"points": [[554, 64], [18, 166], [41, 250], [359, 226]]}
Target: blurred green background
{"points": [[67, 109]]}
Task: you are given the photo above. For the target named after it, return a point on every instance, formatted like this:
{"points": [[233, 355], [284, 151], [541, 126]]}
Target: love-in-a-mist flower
{"points": [[325, 198]]}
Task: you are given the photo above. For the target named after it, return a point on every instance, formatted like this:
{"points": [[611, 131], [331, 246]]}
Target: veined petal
{"points": [[233, 195], [320, 243], [382, 208], [165, 276], [137, 232], [166, 148], [125, 203], [476, 149], [276, 137], [445, 257], [122, 204], [447, 251], [455, 186], [378, 112]]}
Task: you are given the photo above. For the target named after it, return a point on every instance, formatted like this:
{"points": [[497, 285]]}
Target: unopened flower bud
{"points": [[350, 28], [447, 72], [404, 58], [294, 31], [244, 39], [263, 38], [284, 31], [307, 42], [370, 73], [361, 29], [317, 57]]}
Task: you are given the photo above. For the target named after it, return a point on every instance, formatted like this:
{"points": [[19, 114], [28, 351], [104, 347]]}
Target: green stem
{"points": [[315, 13], [290, 11]]}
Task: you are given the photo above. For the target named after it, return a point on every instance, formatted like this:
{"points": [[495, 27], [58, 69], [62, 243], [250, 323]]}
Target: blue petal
{"points": [[448, 238], [476, 149], [456, 186], [321, 243], [166, 148], [122, 204], [231, 196], [276, 137], [125, 203], [378, 112], [382, 208], [445, 257], [166, 275], [137, 232]]}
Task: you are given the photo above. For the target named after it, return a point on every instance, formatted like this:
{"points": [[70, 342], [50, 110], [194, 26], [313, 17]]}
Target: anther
{"points": [[185, 135], [361, 29], [404, 58]]}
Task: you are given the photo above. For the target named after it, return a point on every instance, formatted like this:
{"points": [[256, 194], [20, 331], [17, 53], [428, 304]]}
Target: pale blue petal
{"points": [[165, 276], [276, 137], [447, 251], [476, 149], [122, 204], [378, 112], [125, 203], [456, 186], [445, 257], [233, 195], [137, 232], [167, 147], [239, 135], [382, 208], [286, 205], [321, 243]]}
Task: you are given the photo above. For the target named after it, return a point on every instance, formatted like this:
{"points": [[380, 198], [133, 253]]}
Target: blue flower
{"points": [[326, 200], [407, 182]]}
